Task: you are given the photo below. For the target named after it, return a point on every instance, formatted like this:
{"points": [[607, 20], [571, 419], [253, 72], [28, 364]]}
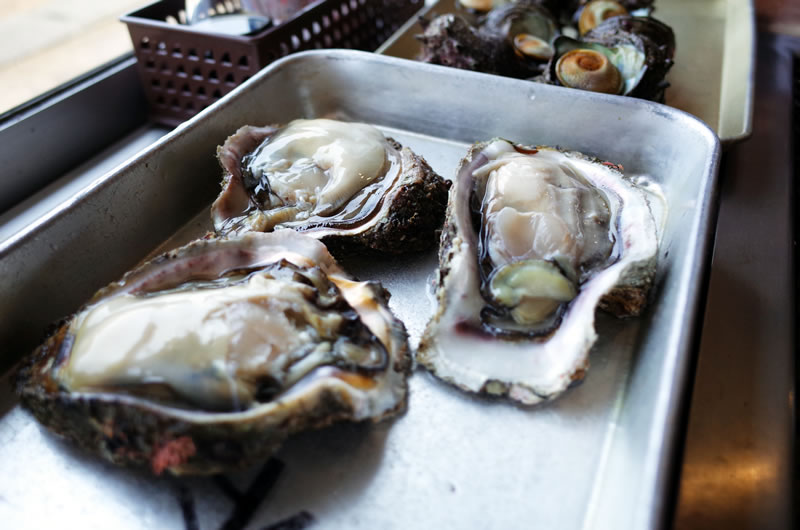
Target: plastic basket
{"points": [[184, 70]]}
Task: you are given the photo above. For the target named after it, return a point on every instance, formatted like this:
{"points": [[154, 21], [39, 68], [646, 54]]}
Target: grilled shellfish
{"points": [[208, 357], [534, 240], [621, 49], [514, 40], [623, 55]]}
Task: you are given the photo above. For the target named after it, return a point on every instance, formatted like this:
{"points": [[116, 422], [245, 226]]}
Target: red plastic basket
{"points": [[184, 70]]}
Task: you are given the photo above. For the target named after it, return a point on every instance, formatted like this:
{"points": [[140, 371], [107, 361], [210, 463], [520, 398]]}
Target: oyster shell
{"points": [[208, 357], [534, 240], [344, 183]]}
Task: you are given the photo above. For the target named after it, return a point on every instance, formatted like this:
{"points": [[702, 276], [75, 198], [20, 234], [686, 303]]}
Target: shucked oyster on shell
{"points": [[208, 357], [343, 183], [534, 240]]}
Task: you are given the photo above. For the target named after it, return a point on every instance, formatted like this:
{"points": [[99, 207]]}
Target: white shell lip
{"points": [[530, 371]]}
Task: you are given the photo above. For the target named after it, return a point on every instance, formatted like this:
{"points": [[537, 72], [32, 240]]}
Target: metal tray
{"points": [[598, 457], [713, 75]]}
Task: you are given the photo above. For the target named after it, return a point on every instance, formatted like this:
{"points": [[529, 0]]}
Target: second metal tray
{"points": [[598, 457], [714, 67]]}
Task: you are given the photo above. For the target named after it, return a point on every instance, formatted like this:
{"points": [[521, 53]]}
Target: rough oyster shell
{"points": [[522, 363], [178, 419], [398, 211]]}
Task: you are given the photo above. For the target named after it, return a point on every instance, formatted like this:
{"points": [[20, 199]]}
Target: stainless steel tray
{"points": [[713, 75], [598, 457]]}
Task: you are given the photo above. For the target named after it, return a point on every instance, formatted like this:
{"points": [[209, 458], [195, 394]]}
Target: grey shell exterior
{"points": [[132, 431]]}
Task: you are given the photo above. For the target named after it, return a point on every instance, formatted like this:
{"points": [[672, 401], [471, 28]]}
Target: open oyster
{"points": [[208, 357], [534, 240], [344, 183]]}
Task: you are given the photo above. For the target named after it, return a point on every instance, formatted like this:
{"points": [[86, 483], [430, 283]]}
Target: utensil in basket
{"points": [[229, 18]]}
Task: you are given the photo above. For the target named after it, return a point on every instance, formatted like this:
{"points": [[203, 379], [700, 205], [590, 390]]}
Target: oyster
{"points": [[534, 240], [208, 357], [344, 183]]}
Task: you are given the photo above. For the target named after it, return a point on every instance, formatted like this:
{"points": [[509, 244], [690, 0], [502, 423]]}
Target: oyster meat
{"points": [[344, 183], [535, 239], [208, 357]]}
